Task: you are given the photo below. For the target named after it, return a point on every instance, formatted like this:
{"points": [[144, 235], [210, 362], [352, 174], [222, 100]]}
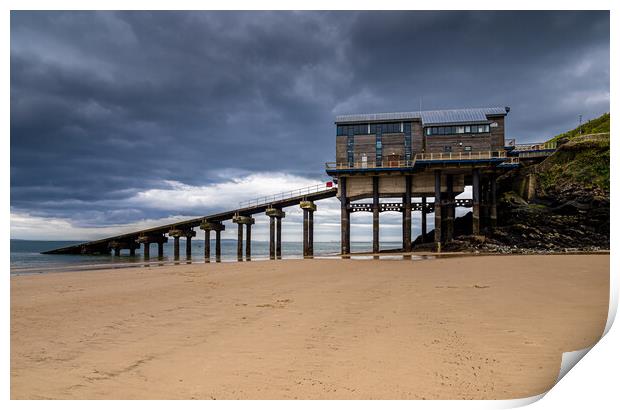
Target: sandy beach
{"points": [[486, 327]]}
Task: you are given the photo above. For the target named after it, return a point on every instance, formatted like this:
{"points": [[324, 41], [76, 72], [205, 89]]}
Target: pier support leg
{"points": [[438, 210], [248, 221], [308, 207], [484, 202], [449, 208], [188, 247], [345, 224], [176, 248], [407, 215], [188, 234], [218, 246], [476, 202], [279, 237], [272, 237], [209, 226], [424, 219], [248, 242], [493, 193], [207, 245], [240, 242], [147, 240], [375, 214], [305, 233], [311, 233], [132, 251]]}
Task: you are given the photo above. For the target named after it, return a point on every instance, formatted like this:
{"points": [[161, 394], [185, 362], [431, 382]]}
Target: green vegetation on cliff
{"points": [[581, 160], [595, 126]]}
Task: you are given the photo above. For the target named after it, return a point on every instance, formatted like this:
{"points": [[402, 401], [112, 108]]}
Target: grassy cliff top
{"points": [[582, 160], [595, 126]]}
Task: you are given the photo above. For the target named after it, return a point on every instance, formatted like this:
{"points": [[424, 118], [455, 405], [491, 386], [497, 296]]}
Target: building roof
{"points": [[434, 117]]}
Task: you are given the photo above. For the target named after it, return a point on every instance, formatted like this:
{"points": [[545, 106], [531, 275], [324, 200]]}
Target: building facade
{"points": [[429, 156]]}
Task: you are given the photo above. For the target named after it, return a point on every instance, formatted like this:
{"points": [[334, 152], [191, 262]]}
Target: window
{"points": [[378, 144], [447, 148], [467, 148], [460, 130]]}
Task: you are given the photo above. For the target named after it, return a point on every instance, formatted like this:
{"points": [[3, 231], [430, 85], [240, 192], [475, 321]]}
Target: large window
{"points": [[364, 129], [460, 129], [357, 129]]}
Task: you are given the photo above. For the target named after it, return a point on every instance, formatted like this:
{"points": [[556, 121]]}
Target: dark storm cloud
{"points": [[104, 105]]}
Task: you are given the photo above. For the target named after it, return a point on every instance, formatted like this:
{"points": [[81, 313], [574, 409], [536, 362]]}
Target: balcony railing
{"points": [[431, 156], [460, 156]]}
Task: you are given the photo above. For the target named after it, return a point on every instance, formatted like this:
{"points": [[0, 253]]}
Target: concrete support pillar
{"points": [[240, 242], [438, 210], [476, 202], [248, 222], [188, 234], [493, 205], [176, 248], [147, 240], [188, 247], [424, 219], [132, 250], [218, 246], [272, 237], [279, 236], [449, 207], [375, 214], [311, 234], [484, 202], [248, 242], [207, 245], [209, 226], [308, 207], [305, 233], [407, 215], [345, 222]]}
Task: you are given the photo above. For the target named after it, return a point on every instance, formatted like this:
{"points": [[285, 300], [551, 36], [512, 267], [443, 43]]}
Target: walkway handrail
{"points": [[313, 189], [535, 146], [431, 156]]}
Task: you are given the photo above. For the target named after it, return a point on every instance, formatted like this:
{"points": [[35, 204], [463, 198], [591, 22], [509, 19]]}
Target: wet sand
{"points": [[487, 327]]}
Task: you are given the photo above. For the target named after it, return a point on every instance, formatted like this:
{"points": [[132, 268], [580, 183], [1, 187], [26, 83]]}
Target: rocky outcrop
{"points": [[558, 205]]}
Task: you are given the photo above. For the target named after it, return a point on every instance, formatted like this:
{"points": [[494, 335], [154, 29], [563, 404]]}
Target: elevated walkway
{"points": [[246, 208]]}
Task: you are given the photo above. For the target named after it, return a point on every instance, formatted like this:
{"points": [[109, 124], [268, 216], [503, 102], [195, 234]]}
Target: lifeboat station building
{"points": [[420, 155]]}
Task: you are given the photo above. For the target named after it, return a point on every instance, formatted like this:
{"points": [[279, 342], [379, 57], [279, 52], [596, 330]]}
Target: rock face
{"points": [[558, 205]]}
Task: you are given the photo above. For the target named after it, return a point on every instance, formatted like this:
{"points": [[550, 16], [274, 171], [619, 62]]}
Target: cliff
{"points": [[559, 204]]}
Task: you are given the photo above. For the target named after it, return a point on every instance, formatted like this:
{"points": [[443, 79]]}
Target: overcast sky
{"points": [[121, 120]]}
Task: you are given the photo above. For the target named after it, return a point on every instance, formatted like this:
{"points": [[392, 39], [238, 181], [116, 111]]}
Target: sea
{"points": [[26, 256]]}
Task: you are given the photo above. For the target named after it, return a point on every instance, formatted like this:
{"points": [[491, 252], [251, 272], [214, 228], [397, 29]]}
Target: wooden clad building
{"points": [[419, 154]]}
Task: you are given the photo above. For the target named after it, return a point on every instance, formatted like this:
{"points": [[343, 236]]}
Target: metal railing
{"points": [[369, 164], [536, 146], [285, 195], [511, 161], [460, 156], [432, 156]]}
